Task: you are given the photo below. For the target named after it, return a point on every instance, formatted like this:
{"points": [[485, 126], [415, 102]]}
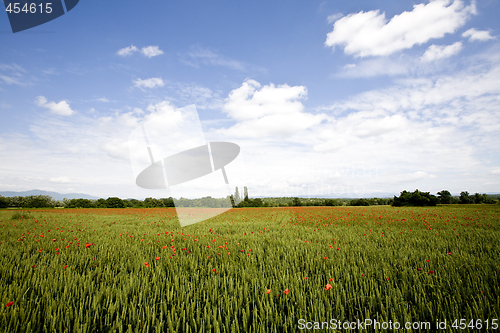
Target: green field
{"points": [[136, 270]]}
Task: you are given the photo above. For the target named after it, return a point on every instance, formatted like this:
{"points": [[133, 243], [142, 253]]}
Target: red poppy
{"points": [[268, 291], [40, 250], [431, 272], [331, 279], [9, 304], [325, 258], [419, 269], [87, 245], [286, 291], [449, 253], [146, 263], [65, 267], [157, 258], [328, 287], [338, 249]]}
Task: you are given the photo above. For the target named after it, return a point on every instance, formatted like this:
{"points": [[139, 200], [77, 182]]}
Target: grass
{"points": [[136, 270]]}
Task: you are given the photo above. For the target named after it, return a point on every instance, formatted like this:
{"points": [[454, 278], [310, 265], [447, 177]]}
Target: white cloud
{"points": [[334, 17], [269, 110], [375, 67], [151, 51], [13, 74], [126, 51], [149, 83], [436, 52], [61, 179], [371, 34], [207, 56], [62, 108], [480, 35]]}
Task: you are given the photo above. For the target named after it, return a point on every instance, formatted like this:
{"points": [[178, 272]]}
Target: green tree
{"points": [[465, 198], [114, 202], [296, 202], [245, 194], [168, 202], [4, 202], [416, 198], [444, 197], [360, 202], [101, 203], [153, 203], [237, 198]]}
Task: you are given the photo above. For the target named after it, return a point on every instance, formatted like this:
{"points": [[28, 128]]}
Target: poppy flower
{"points": [[286, 291], [40, 250], [9, 304], [157, 258], [419, 269], [431, 272], [87, 245], [146, 263], [268, 291], [325, 258], [331, 279], [328, 287]]}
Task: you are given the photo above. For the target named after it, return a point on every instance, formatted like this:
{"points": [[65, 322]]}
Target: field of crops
{"points": [[248, 270]]}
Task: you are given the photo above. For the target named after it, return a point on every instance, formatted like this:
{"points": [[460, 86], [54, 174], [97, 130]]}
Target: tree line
{"points": [[416, 198]]}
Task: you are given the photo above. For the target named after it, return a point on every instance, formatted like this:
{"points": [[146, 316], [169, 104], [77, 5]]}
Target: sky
{"points": [[324, 98]]}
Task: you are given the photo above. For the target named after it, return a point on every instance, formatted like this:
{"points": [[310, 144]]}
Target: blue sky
{"points": [[325, 98]]}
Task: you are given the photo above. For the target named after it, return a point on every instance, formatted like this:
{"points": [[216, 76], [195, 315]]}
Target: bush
{"points": [[360, 202], [416, 198]]}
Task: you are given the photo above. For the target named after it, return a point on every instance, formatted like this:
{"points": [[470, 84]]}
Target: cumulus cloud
{"points": [[436, 52], [151, 51], [371, 34], [62, 108], [480, 35], [127, 51], [268, 110], [149, 83]]}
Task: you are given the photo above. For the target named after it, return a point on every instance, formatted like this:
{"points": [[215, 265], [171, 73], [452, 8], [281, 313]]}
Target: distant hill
{"points": [[54, 195]]}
